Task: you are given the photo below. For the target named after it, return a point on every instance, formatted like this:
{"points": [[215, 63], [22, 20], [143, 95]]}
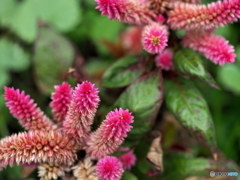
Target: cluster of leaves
{"points": [[40, 45]]}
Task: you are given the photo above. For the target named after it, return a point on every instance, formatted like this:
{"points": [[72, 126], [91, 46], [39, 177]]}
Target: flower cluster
{"points": [[159, 16], [54, 147]]}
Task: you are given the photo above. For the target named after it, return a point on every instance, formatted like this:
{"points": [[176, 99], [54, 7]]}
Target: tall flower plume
{"points": [[37, 147], [192, 16], [109, 168], [213, 47], [110, 134], [129, 11], [26, 111], [154, 38], [81, 111], [60, 101]]}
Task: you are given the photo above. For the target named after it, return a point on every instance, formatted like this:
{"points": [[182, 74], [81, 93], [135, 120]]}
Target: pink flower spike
{"points": [[60, 101], [128, 160], [81, 112], [164, 59], [213, 47], [26, 111], [129, 11], [37, 147], [110, 135], [109, 168], [154, 38], [196, 16]]}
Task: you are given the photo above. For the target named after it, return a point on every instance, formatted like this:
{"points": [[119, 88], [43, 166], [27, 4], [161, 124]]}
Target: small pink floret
{"points": [[128, 160], [164, 59], [109, 168], [154, 38]]}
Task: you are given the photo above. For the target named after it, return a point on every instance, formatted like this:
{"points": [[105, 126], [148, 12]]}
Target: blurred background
{"points": [[45, 42]]}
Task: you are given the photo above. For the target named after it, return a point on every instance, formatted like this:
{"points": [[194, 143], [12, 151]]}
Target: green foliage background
{"points": [[41, 39]]}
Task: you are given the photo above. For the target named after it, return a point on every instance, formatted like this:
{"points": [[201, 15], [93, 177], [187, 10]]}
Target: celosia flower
{"points": [[154, 38], [26, 111], [160, 18], [60, 101], [129, 11], [192, 16], [37, 147], [81, 112], [51, 171], [109, 168], [128, 160], [131, 40], [85, 170], [213, 47], [110, 134], [164, 59]]}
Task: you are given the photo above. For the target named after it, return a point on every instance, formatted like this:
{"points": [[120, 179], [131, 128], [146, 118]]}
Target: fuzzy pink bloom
{"points": [[213, 47], [192, 16], [131, 40], [60, 101], [110, 134], [37, 147], [128, 160], [109, 168], [129, 11], [26, 111], [81, 112], [164, 59], [154, 38], [160, 18]]}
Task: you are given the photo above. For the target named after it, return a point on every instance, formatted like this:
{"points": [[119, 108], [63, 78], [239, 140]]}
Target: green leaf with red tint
{"points": [[191, 110]]}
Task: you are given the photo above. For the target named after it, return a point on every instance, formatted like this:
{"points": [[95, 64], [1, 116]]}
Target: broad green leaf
{"points": [[179, 166], [188, 62], [191, 110], [128, 176], [123, 72], [4, 79], [12, 56], [229, 77], [22, 19], [63, 14], [52, 57], [143, 98], [100, 24], [6, 8]]}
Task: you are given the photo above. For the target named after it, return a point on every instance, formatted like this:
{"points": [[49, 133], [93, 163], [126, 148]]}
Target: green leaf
{"points": [[128, 176], [143, 98], [99, 24], [191, 110], [179, 166], [6, 8], [123, 72], [22, 20], [12, 56], [229, 76], [53, 56], [63, 14], [188, 62]]}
